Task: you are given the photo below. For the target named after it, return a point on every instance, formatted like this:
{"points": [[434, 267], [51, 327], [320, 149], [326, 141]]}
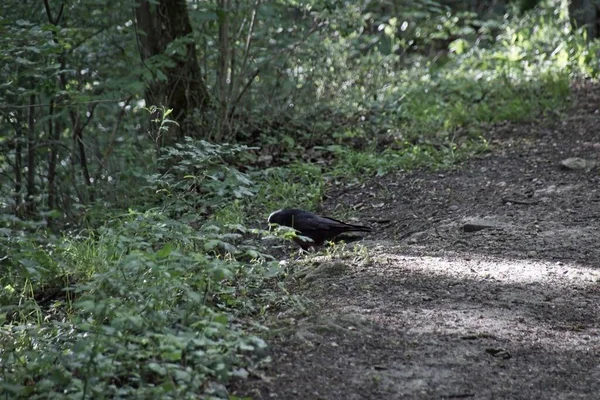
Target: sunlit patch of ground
{"points": [[475, 296], [431, 311], [453, 326]]}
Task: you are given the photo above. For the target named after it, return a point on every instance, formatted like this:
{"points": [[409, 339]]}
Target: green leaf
{"points": [[240, 373], [23, 61], [157, 368], [165, 251], [211, 244], [11, 388], [246, 347]]}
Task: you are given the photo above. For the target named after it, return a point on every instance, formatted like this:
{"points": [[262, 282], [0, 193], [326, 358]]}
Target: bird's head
{"points": [[276, 217], [283, 217]]}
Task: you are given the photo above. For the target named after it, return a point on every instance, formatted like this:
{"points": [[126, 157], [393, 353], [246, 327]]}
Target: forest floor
{"points": [[435, 308]]}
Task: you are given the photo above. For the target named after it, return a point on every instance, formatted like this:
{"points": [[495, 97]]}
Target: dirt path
{"points": [[430, 311]]}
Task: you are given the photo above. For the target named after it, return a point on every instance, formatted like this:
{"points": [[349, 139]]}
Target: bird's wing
{"points": [[334, 223], [318, 223]]}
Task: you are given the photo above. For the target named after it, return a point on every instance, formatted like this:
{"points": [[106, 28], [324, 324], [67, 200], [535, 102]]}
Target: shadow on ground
{"points": [[430, 311]]}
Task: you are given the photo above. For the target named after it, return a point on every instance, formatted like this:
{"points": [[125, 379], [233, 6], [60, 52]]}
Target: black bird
{"points": [[319, 229]]}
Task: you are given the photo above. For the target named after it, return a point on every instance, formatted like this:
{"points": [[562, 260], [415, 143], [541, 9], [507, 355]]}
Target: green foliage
{"points": [[299, 184], [154, 311], [419, 95], [356, 164], [199, 177], [372, 81], [136, 270]]}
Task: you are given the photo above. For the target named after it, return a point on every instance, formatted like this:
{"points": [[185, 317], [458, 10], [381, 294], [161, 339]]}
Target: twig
{"points": [[16, 107], [111, 141], [243, 91], [409, 233]]}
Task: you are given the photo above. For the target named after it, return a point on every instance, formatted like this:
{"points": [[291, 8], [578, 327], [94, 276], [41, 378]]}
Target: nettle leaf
{"points": [[161, 75], [252, 253], [243, 178], [212, 228], [32, 267], [258, 342], [221, 273], [165, 251], [211, 244], [182, 375], [194, 296], [246, 347], [227, 247], [242, 192], [221, 319], [157, 368]]}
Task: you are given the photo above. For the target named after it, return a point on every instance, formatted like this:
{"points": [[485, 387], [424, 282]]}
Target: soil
{"points": [[482, 282]]}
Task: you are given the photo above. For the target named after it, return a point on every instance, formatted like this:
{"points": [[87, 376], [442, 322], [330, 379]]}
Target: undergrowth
{"points": [[166, 298], [143, 306]]}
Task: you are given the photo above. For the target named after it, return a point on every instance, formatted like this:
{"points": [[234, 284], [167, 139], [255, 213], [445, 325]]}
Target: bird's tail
{"points": [[352, 227], [359, 228]]}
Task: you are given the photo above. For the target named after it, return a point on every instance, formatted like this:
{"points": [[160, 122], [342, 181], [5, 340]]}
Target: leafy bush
{"points": [[155, 311], [200, 177]]}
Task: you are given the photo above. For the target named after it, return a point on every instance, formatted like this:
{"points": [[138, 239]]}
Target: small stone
{"points": [[499, 352], [546, 191], [453, 208], [576, 163], [478, 225]]}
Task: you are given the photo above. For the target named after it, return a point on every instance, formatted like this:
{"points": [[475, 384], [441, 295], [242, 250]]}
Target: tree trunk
{"points": [[223, 69], [31, 142], [184, 90], [18, 168], [78, 128], [53, 137]]}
